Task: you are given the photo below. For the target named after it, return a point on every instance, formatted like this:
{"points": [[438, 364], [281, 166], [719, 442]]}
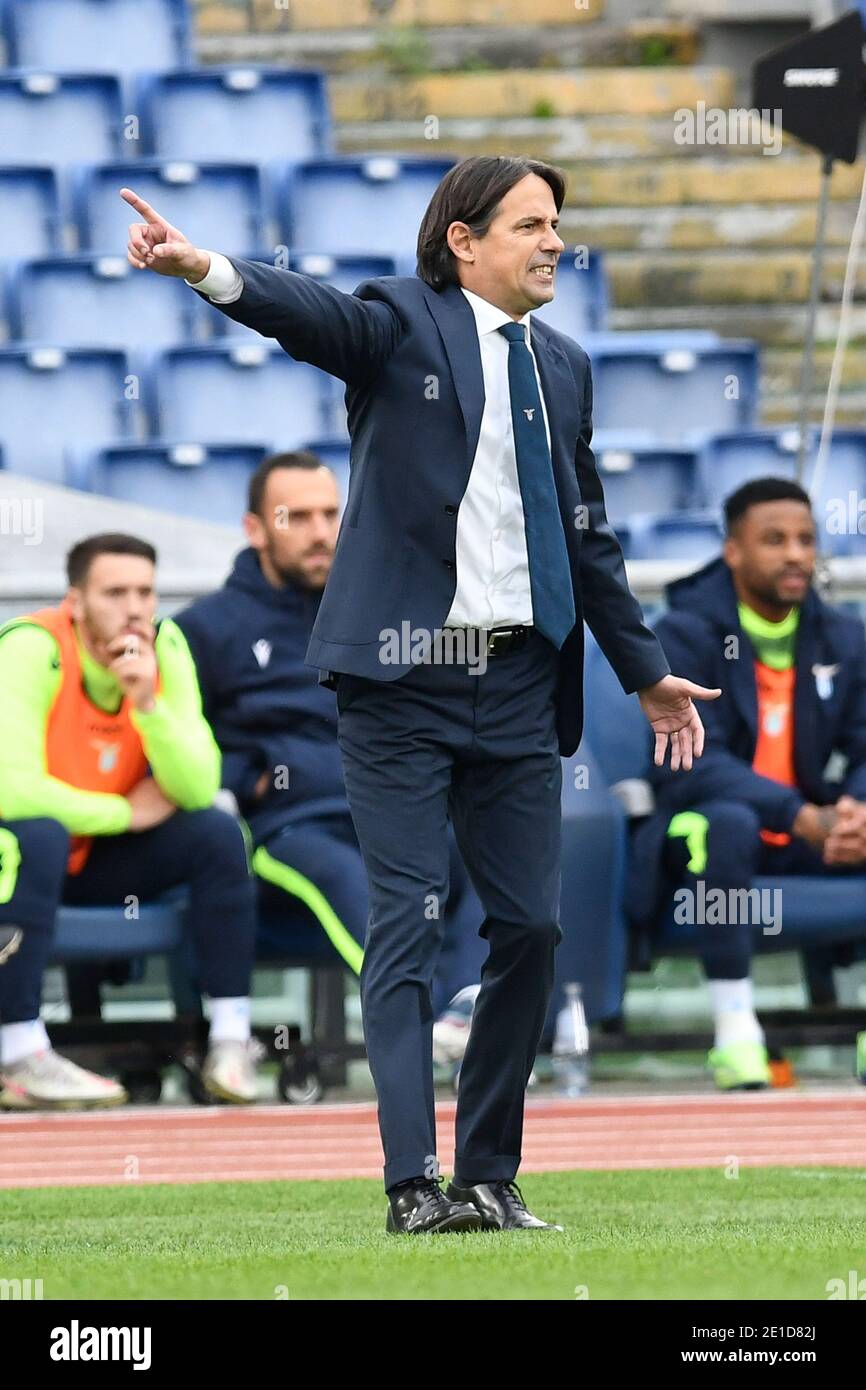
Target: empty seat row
{"points": [[214, 113], [53, 398], [227, 390], [97, 35], [207, 481], [102, 301], [339, 206], [210, 480], [642, 476]]}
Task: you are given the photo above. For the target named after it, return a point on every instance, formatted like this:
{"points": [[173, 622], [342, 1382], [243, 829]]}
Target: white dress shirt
{"points": [[493, 587]]}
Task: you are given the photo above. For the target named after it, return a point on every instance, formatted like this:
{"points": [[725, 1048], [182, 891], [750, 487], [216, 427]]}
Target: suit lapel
{"points": [[562, 404], [456, 323]]}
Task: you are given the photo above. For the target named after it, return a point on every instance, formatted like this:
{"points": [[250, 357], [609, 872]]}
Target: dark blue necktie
{"points": [[549, 569]]}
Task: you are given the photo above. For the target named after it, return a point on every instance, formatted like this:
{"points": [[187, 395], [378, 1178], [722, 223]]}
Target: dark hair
{"points": [[300, 458], [762, 490], [83, 553], [471, 192]]}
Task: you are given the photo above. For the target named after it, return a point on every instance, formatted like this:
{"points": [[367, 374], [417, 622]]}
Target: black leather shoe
{"points": [[424, 1209], [10, 940], [500, 1205]]}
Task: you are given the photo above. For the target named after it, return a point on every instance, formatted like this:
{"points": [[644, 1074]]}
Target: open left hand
{"points": [[669, 709]]}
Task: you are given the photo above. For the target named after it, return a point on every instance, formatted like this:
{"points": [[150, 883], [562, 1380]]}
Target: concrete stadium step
{"points": [[787, 178], [530, 92], [747, 277], [783, 226], [781, 369], [771, 325], [556, 138], [724, 277], [348, 14], [224, 34], [780, 410]]}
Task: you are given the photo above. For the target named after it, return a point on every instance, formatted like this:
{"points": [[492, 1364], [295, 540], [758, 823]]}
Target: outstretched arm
{"points": [[348, 337]]}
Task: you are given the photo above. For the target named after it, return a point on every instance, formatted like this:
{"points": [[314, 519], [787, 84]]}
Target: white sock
{"points": [[734, 1012], [229, 1020], [18, 1040]]}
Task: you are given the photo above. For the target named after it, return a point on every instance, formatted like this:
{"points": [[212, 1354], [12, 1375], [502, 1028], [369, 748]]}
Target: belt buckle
{"points": [[506, 634]]}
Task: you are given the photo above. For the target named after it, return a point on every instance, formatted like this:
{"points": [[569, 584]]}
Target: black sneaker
{"points": [[422, 1208], [500, 1205]]}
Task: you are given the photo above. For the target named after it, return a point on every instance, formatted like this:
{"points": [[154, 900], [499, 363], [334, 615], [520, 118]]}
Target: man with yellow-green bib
{"points": [[108, 772], [792, 671]]}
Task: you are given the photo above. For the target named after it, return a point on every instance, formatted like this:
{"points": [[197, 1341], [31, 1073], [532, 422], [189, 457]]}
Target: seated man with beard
{"points": [[277, 726]]}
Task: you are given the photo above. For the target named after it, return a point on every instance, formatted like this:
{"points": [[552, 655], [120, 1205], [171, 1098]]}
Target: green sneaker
{"points": [[861, 1057], [741, 1066]]}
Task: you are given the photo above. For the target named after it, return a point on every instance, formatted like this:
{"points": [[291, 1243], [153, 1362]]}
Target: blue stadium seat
{"points": [[640, 476], [345, 273], [97, 35], [819, 910], [231, 113], [679, 393], [579, 306], [102, 301], [248, 393], [49, 118], [107, 933], [206, 482], [30, 221], [693, 536], [52, 398], [211, 203], [731, 459], [354, 205]]}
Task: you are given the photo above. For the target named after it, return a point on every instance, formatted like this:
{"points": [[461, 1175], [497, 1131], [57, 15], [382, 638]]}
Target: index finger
{"points": [[148, 213]]}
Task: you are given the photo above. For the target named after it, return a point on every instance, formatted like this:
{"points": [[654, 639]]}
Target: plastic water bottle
{"points": [[571, 1046]]}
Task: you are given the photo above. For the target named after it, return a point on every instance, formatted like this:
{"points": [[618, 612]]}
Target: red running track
{"points": [[168, 1144]]}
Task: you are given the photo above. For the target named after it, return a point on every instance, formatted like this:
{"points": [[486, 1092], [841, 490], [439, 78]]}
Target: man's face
{"points": [[507, 265], [297, 534], [772, 553], [117, 596]]}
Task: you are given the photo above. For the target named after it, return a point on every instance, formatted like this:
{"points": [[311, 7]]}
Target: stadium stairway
{"points": [[694, 236]]}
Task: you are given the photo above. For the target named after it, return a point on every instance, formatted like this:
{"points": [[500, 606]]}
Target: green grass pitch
{"points": [[771, 1233]]}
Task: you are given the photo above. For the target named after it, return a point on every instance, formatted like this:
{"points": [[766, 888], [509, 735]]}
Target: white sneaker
{"points": [[10, 940], [47, 1081], [229, 1072], [451, 1029]]}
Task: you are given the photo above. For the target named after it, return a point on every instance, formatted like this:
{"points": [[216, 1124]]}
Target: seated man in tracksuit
{"points": [[792, 671], [107, 774], [277, 726]]}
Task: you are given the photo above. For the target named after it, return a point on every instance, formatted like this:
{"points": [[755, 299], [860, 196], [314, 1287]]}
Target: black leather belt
{"points": [[501, 640]]}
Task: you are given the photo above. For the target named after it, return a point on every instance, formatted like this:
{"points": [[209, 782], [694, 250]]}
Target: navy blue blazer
{"points": [[411, 361]]}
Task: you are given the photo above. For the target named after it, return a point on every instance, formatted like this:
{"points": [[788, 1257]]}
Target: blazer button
{"points": [[449, 564], [452, 511]]}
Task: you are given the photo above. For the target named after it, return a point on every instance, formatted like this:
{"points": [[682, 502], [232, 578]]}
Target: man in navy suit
{"points": [[473, 544]]}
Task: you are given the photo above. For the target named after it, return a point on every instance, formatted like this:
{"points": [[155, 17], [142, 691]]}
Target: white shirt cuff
{"points": [[223, 284]]}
